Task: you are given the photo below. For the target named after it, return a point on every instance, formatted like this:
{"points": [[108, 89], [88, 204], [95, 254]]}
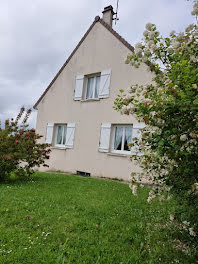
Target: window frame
{"points": [[56, 134], [94, 85], [122, 151]]}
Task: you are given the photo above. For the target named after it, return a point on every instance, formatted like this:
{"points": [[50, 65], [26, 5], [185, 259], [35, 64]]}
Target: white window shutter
{"points": [[105, 132], [136, 136], [70, 135], [79, 87], [104, 84], [49, 133]]}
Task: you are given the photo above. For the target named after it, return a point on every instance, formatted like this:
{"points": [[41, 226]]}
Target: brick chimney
{"points": [[108, 15]]}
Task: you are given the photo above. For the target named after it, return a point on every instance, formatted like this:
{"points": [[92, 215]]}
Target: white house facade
{"points": [[76, 115]]}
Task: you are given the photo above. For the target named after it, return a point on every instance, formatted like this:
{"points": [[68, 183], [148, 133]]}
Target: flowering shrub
{"points": [[19, 151], [169, 108]]}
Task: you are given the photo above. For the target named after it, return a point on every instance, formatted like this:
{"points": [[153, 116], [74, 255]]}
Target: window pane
{"points": [[90, 83], [64, 135], [97, 86], [59, 135], [127, 138], [118, 138]]}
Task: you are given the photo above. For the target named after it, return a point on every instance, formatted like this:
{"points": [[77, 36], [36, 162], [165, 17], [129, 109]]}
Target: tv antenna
{"points": [[116, 13]]}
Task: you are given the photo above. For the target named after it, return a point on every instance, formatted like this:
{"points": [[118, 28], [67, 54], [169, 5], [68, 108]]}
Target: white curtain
{"points": [[64, 134], [97, 86], [90, 83], [118, 138], [59, 135], [128, 136]]}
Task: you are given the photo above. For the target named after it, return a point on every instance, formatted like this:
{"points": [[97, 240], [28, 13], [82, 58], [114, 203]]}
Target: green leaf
{"points": [[195, 102]]}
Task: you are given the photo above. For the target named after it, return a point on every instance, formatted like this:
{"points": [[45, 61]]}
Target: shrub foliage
{"points": [[169, 108], [20, 151]]}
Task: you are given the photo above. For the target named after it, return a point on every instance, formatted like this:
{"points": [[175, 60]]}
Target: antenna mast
{"points": [[116, 18]]}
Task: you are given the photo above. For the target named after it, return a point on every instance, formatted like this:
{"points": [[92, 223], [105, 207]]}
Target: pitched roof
{"points": [[108, 27]]}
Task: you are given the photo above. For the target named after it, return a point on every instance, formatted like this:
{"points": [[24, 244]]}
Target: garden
{"points": [[57, 218]]}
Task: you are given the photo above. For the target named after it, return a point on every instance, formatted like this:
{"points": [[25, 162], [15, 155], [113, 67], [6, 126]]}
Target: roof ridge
{"points": [[108, 27]]}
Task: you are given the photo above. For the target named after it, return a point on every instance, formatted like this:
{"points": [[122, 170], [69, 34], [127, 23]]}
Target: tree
{"points": [[169, 108], [20, 152]]}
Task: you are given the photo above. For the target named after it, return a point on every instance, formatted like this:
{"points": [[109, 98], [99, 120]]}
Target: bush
{"points": [[169, 107], [20, 152]]}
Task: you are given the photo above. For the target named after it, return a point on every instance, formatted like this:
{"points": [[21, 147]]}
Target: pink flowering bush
{"points": [[169, 108], [20, 152]]}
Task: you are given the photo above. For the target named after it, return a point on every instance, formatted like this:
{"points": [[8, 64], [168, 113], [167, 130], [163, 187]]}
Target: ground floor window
{"points": [[60, 135], [121, 138]]}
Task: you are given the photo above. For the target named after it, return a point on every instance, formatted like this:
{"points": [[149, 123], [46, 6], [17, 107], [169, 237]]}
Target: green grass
{"points": [[60, 218]]}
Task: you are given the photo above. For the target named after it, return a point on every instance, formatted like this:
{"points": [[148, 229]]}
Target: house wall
{"points": [[100, 50]]}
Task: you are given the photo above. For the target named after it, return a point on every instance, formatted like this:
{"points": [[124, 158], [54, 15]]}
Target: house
{"points": [[75, 112]]}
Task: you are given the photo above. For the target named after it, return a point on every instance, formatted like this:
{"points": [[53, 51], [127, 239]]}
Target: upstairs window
{"points": [[93, 85]]}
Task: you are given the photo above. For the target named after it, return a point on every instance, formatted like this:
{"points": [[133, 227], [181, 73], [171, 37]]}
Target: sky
{"points": [[37, 36]]}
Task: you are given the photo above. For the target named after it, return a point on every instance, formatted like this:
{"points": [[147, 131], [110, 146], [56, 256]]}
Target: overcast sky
{"points": [[37, 36]]}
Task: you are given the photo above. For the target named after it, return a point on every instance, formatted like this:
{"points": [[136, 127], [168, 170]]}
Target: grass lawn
{"points": [[69, 219]]}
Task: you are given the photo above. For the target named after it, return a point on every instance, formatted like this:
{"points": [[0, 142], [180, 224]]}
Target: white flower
{"points": [[183, 137], [170, 50], [195, 187], [162, 54], [193, 58], [151, 34], [180, 36], [134, 189], [138, 45], [195, 10], [129, 107], [153, 47], [190, 27], [138, 51], [150, 43], [172, 217], [147, 52], [144, 59], [192, 135], [186, 223], [145, 33], [192, 232], [127, 97], [124, 108], [172, 33], [149, 26], [151, 196], [175, 44]]}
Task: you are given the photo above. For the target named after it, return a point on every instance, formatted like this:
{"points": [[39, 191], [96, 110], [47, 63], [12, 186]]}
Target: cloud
{"points": [[38, 36]]}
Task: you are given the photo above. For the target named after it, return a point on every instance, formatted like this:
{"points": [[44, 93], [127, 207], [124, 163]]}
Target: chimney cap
{"points": [[108, 8]]}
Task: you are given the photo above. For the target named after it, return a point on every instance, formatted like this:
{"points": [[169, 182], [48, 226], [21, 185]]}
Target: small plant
{"points": [[20, 152]]}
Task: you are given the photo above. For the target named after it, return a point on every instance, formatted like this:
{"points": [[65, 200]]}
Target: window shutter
{"points": [[70, 135], [136, 136], [79, 87], [104, 84], [105, 132], [49, 133]]}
